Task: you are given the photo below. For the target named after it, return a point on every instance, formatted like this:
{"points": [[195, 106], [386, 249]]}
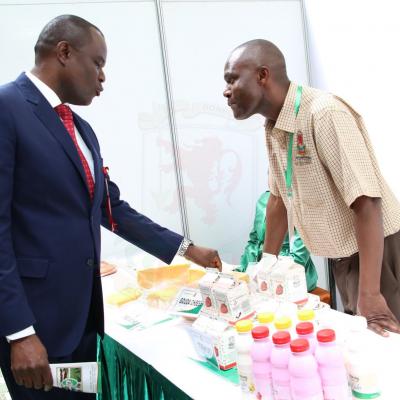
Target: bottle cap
{"points": [[283, 323], [244, 326], [281, 337], [305, 314], [326, 335], [265, 317], [299, 345], [304, 328], [260, 332]]}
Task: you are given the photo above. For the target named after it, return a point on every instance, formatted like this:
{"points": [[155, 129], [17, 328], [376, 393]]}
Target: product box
{"points": [[288, 281], [205, 285], [214, 340], [264, 269], [232, 298]]}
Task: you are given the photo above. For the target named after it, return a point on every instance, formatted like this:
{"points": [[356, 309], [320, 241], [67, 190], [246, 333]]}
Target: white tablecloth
{"points": [[168, 348]]}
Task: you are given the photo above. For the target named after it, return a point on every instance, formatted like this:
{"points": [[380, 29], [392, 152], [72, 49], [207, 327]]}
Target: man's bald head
{"points": [[256, 79], [259, 53], [70, 28]]}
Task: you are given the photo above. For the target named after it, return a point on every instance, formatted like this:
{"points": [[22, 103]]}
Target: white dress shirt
{"points": [[54, 101]]}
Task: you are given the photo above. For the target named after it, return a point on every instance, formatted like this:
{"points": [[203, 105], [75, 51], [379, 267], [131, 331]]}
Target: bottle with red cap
{"points": [[260, 355], [305, 382], [331, 366], [280, 354], [305, 330]]}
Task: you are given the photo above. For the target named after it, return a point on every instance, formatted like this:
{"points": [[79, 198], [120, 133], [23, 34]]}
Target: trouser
{"points": [[86, 351], [346, 273]]}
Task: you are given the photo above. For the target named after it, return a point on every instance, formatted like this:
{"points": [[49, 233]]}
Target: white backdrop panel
{"points": [[129, 118], [224, 162]]}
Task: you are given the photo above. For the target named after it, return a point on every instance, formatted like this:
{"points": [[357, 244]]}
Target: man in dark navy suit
{"points": [[54, 197]]}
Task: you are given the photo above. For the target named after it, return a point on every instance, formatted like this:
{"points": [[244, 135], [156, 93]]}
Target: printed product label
{"points": [[246, 383], [364, 386]]}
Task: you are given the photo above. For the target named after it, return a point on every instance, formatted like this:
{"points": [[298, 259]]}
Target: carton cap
{"points": [[299, 345], [244, 326], [326, 335], [305, 314], [283, 323], [281, 337], [260, 332], [265, 317]]}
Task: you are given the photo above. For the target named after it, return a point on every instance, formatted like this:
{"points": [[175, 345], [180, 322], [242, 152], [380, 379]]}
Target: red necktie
{"points": [[67, 118]]}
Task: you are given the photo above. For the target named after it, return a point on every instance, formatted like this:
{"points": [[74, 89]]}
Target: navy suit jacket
{"points": [[49, 228]]}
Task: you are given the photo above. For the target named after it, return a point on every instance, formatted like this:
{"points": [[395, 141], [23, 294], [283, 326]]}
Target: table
{"points": [[156, 363]]}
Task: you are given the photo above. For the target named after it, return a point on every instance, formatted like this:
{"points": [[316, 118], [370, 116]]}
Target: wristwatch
{"points": [[184, 246]]}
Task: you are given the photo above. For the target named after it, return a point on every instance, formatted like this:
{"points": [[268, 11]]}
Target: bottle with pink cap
{"points": [[331, 366], [260, 355], [305, 330], [280, 354], [305, 382]]}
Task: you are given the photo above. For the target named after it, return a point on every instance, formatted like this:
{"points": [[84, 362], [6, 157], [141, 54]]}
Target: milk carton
{"points": [[264, 269], [232, 298], [288, 281], [205, 285], [214, 340]]}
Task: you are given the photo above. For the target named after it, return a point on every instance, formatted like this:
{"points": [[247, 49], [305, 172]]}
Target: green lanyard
{"points": [[289, 169]]}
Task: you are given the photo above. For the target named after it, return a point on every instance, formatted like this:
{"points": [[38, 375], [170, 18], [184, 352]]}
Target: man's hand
{"points": [[203, 256], [29, 363], [379, 317]]}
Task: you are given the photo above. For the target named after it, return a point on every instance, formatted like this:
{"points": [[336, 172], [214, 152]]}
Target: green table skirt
{"points": [[124, 376]]}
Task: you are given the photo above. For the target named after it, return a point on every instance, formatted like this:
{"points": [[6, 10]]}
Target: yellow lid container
{"points": [[283, 323], [305, 315], [265, 317], [244, 326]]}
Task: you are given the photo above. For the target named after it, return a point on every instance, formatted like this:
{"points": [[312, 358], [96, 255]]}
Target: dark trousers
{"points": [[346, 273], [86, 351]]}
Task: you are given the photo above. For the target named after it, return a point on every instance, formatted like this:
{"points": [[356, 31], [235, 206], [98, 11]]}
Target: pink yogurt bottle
{"points": [[305, 382], [260, 355], [331, 366], [280, 354], [305, 330]]}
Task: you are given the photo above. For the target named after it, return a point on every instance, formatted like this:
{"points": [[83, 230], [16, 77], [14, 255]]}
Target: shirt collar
{"points": [[48, 93], [287, 119]]}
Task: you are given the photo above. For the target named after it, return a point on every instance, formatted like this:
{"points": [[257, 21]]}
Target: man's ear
{"points": [[63, 52], [263, 74]]}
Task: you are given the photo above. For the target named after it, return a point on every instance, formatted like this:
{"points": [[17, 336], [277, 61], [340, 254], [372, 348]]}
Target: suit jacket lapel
{"points": [[51, 121]]}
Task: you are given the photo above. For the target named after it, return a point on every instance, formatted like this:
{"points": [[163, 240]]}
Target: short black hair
{"points": [[71, 28]]}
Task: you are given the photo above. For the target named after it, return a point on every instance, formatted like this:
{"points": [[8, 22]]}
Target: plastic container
{"points": [[331, 366], [260, 355], [305, 382], [360, 361], [243, 345], [280, 354], [305, 330]]}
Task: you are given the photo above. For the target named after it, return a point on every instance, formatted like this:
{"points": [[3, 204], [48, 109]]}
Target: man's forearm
{"points": [[276, 225], [369, 233]]}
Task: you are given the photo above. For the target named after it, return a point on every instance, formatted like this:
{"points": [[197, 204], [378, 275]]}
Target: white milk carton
{"points": [[264, 270], [232, 298], [214, 340], [205, 285], [288, 281]]}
